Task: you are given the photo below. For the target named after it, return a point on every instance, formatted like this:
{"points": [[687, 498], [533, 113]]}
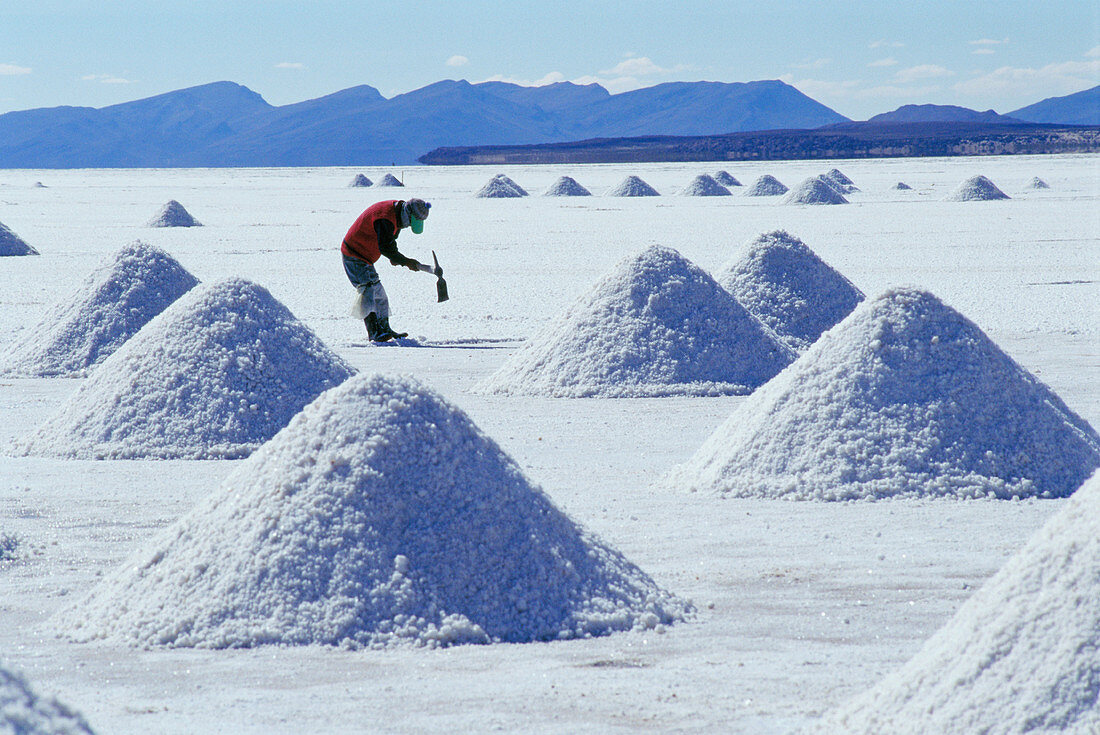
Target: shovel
{"points": [[440, 284]]}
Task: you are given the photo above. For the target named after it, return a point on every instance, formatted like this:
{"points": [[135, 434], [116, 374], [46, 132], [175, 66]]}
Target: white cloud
{"points": [[854, 89], [1051, 80], [989, 42], [11, 70], [921, 72], [106, 79], [289, 65], [888, 61], [886, 44], [813, 65], [632, 73], [639, 66], [457, 60], [1093, 53], [551, 78]]}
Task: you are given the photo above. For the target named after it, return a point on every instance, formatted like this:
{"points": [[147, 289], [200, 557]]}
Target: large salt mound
{"points": [[173, 214], [786, 286], [976, 189], [633, 186], [656, 325], [814, 190], [500, 187], [725, 178], [1021, 655], [380, 516], [704, 185], [108, 308], [389, 180], [567, 186], [841, 182], [905, 397], [215, 375], [360, 180], [23, 712], [766, 186], [12, 244]]}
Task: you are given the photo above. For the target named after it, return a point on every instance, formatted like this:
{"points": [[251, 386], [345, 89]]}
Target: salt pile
{"points": [[173, 214], [23, 712], [381, 516], [501, 187], [633, 186], [766, 186], [1037, 183], [389, 180], [1019, 656], [902, 186], [12, 244], [976, 189], [814, 190], [725, 178], [215, 375], [10, 546], [787, 287], [704, 185], [656, 325], [905, 397], [360, 180], [841, 182], [116, 300], [567, 186]]}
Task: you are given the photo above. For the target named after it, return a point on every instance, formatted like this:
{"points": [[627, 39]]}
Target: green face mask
{"points": [[416, 225]]}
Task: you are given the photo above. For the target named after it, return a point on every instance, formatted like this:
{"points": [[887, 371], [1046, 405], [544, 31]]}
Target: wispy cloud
{"points": [[856, 89], [1048, 81], [551, 78], [631, 73], [886, 44], [813, 65], [457, 60], [989, 42], [289, 65], [1093, 53], [888, 61], [12, 70], [922, 72], [106, 79], [640, 66]]}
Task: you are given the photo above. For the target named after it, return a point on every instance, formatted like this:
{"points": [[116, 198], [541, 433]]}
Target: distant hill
{"points": [[226, 124], [940, 113], [1080, 108]]}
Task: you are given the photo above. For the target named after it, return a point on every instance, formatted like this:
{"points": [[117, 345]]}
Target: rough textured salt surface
{"points": [[500, 187], [567, 186], [905, 397], [725, 178], [1021, 655], [902, 186], [116, 300], [215, 375], [976, 189], [766, 186], [704, 185], [814, 190], [507, 180], [173, 214], [380, 516], [23, 712], [1037, 183], [656, 325], [360, 180], [785, 285], [12, 244], [389, 180], [633, 186]]}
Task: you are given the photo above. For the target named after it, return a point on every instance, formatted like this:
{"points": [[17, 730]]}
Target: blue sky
{"points": [[856, 56]]}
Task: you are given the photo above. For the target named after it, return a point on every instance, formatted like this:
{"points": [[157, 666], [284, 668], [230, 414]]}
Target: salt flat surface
{"points": [[801, 605]]}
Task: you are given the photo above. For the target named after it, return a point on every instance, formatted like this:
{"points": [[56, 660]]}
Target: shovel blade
{"points": [[440, 290]]}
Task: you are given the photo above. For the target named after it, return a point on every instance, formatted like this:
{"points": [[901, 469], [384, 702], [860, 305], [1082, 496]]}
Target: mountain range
{"points": [[226, 124]]}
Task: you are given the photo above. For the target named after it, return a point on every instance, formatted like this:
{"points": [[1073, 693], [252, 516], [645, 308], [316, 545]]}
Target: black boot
{"points": [[387, 331], [374, 330]]}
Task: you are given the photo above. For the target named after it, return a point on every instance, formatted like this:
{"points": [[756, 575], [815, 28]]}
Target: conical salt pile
{"points": [[704, 185], [786, 286], [1019, 656], [567, 186], [380, 516], [12, 244], [656, 325], [976, 189], [814, 190], [108, 308], [725, 178], [500, 187], [360, 180], [1037, 183], [508, 181], [173, 214], [633, 186], [905, 397], [842, 183], [23, 712], [215, 375], [902, 186], [389, 180], [766, 186]]}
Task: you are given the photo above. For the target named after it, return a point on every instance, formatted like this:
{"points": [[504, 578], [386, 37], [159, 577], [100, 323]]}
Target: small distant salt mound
{"points": [[842, 183], [976, 189], [501, 187], [633, 186], [173, 214], [814, 190], [39, 185], [214, 376], [116, 300], [567, 186], [389, 180], [902, 186], [12, 244], [725, 178], [905, 397], [1019, 655], [766, 186], [10, 546], [381, 516], [704, 185], [786, 286], [23, 712], [656, 325], [360, 180], [1037, 183]]}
